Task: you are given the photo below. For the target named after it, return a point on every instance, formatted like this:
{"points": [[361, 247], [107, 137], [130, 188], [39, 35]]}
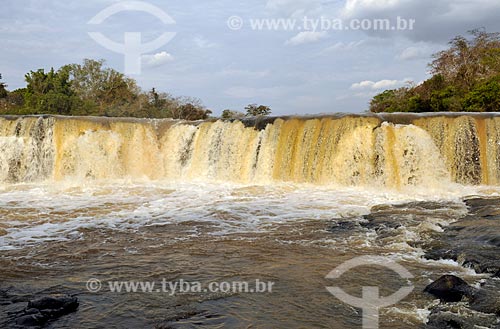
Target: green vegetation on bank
{"points": [[93, 89], [465, 77]]}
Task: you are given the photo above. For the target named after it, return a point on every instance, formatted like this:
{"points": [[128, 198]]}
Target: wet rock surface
{"points": [[451, 316], [449, 288], [32, 312], [473, 241], [470, 238], [42, 310]]}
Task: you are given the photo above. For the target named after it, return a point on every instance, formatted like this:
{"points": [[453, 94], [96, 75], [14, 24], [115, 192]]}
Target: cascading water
{"points": [[390, 150], [276, 199]]}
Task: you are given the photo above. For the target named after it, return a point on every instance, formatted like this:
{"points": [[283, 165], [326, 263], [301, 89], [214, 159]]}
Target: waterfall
{"points": [[392, 150]]}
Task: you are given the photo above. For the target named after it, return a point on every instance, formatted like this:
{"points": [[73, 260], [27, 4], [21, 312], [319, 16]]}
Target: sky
{"points": [[317, 61]]}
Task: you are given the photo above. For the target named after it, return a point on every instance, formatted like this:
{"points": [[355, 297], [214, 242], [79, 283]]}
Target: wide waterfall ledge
{"points": [[390, 150]]}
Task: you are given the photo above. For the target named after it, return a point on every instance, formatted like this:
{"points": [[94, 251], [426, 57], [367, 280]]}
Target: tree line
{"points": [[465, 78], [91, 88]]}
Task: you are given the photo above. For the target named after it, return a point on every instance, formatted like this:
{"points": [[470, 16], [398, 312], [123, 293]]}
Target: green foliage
{"points": [[104, 91], [465, 78], [49, 92], [484, 97], [91, 88], [447, 99], [385, 102], [257, 110], [398, 100], [230, 114], [3, 89]]}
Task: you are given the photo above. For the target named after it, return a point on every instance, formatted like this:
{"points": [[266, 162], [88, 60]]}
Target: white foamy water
{"points": [[36, 213]]}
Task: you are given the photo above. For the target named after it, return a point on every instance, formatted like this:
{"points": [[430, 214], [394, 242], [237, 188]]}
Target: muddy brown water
{"points": [[54, 239]]}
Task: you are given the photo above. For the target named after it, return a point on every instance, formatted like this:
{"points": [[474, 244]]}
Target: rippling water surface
{"points": [[53, 238]]}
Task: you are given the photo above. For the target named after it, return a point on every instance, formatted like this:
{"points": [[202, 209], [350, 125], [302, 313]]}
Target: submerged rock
{"points": [[445, 320], [473, 241], [32, 320], [482, 305], [41, 310], [449, 288], [445, 317], [486, 301], [64, 303]]}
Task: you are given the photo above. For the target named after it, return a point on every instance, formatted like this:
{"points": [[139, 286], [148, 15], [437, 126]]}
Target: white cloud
{"points": [[420, 50], [344, 46], [435, 21], [201, 42], [295, 8], [377, 85], [353, 7], [412, 53], [244, 73], [157, 59], [306, 37]]}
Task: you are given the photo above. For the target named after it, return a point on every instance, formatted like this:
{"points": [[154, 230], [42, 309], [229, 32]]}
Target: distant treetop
{"points": [[466, 77]]}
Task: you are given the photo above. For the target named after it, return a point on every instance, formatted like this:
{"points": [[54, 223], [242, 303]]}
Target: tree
{"points": [[3, 88], [465, 77], [257, 110], [91, 88], [190, 112], [229, 114], [103, 90], [484, 97], [468, 60], [49, 92]]}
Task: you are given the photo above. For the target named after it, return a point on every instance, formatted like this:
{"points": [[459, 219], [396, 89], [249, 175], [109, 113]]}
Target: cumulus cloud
{"points": [[295, 8], [354, 7], [248, 74], [377, 85], [412, 53], [157, 59], [436, 21], [306, 37], [201, 42], [344, 46]]}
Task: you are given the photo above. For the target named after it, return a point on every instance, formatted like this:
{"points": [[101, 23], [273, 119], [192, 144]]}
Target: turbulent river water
{"points": [[282, 200]]}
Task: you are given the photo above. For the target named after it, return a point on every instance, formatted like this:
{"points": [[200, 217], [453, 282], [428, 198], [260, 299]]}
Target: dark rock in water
{"points": [[449, 288], [40, 311], [452, 316], [54, 303], [445, 320], [473, 241], [485, 301], [32, 320], [344, 226]]}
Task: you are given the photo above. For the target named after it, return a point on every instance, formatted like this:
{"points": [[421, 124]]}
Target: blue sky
{"points": [[292, 71]]}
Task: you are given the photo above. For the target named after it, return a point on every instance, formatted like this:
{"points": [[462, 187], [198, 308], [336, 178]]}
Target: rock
{"points": [[31, 311], [485, 301], [54, 303], [445, 320], [474, 240], [452, 316], [449, 288], [31, 320], [343, 226], [40, 311]]}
